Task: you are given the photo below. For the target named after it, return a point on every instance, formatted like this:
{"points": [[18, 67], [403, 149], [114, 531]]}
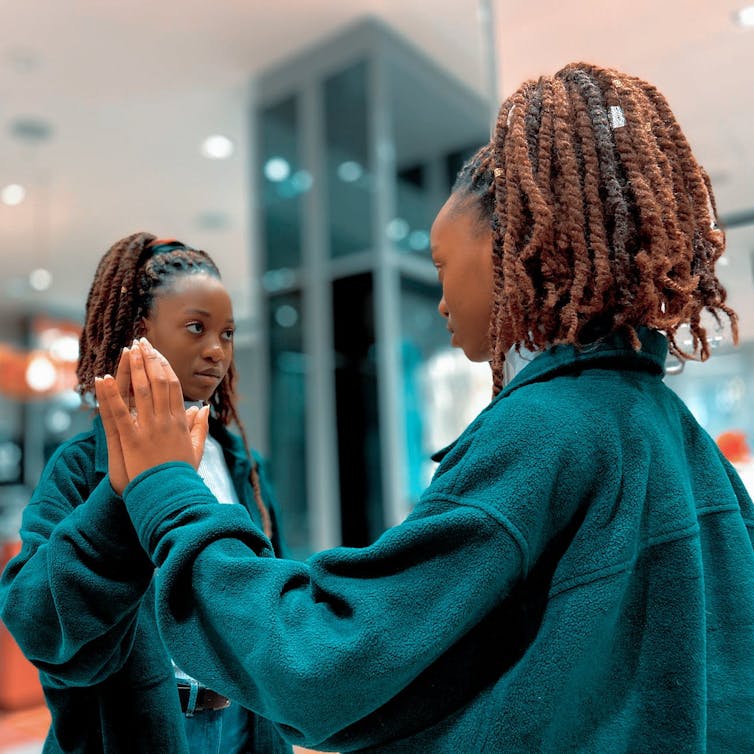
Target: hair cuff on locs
{"points": [[617, 117]]}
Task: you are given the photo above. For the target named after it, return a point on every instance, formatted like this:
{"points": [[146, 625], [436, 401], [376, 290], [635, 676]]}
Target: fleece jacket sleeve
{"points": [[320, 645], [71, 596]]}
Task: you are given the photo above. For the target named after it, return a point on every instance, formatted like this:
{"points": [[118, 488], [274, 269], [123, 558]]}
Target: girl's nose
{"points": [[214, 350], [442, 307]]}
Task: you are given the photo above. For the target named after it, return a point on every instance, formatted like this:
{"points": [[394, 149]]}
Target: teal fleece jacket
{"points": [[79, 600], [577, 577]]}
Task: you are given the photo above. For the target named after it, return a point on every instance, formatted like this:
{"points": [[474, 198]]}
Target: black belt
{"points": [[206, 699]]}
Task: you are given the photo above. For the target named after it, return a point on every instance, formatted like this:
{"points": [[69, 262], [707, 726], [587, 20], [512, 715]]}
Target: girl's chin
{"points": [[478, 356], [194, 398]]}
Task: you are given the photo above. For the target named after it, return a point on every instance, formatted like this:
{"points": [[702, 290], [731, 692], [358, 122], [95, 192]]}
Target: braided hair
{"points": [[601, 219], [131, 274]]}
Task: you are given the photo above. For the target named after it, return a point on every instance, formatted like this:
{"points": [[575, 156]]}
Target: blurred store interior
{"points": [[307, 145]]}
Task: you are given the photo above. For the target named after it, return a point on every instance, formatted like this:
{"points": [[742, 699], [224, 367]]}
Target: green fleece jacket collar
{"points": [[651, 358], [564, 358]]}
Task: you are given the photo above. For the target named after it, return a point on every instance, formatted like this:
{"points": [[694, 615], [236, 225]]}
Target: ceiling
{"points": [[129, 91]]}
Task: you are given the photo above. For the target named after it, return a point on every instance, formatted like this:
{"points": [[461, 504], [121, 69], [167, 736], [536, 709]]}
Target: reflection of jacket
{"points": [[578, 576], [107, 677]]}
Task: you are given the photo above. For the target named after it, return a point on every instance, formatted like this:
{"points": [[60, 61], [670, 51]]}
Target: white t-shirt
{"points": [[215, 474]]}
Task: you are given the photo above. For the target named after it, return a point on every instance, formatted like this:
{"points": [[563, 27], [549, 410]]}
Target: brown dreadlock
{"points": [[602, 221], [128, 278]]}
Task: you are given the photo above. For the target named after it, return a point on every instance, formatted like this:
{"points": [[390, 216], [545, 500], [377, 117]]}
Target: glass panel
{"points": [[442, 390], [360, 468], [287, 456], [455, 160], [409, 229], [418, 200], [432, 133], [282, 183], [349, 177], [718, 391], [719, 394]]}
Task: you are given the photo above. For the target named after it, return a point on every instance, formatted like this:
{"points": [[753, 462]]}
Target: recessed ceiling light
{"points": [[13, 194], [217, 147], [397, 229], [350, 171], [40, 279], [745, 16], [277, 169], [40, 374], [302, 181], [286, 315], [65, 347]]}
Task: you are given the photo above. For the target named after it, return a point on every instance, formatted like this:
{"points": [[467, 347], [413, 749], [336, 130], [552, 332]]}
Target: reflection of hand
{"points": [[198, 436], [159, 430], [115, 464]]}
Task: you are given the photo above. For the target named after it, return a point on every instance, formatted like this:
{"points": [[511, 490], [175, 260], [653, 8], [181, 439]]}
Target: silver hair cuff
{"points": [[617, 117]]}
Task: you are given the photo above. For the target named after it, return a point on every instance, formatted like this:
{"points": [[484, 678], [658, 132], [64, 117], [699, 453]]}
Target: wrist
{"points": [[116, 486]]}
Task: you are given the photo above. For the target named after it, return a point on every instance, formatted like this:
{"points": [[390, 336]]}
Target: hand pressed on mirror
{"points": [[158, 429], [116, 466]]}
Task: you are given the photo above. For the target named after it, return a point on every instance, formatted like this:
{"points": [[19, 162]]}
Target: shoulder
{"points": [[559, 414], [72, 463], [538, 433], [78, 451]]}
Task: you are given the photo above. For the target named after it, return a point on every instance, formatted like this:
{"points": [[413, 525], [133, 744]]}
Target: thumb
{"points": [[191, 413], [199, 432]]}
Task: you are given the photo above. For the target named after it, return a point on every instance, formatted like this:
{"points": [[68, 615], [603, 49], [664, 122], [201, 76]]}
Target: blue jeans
{"points": [[220, 731], [203, 731]]}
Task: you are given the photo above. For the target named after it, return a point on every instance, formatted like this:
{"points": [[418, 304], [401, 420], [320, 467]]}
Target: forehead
{"points": [[197, 290], [458, 218]]}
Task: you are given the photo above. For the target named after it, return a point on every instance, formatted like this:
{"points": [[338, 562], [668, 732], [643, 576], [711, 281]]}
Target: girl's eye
{"points": [[195, 327], [228, 334]]}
